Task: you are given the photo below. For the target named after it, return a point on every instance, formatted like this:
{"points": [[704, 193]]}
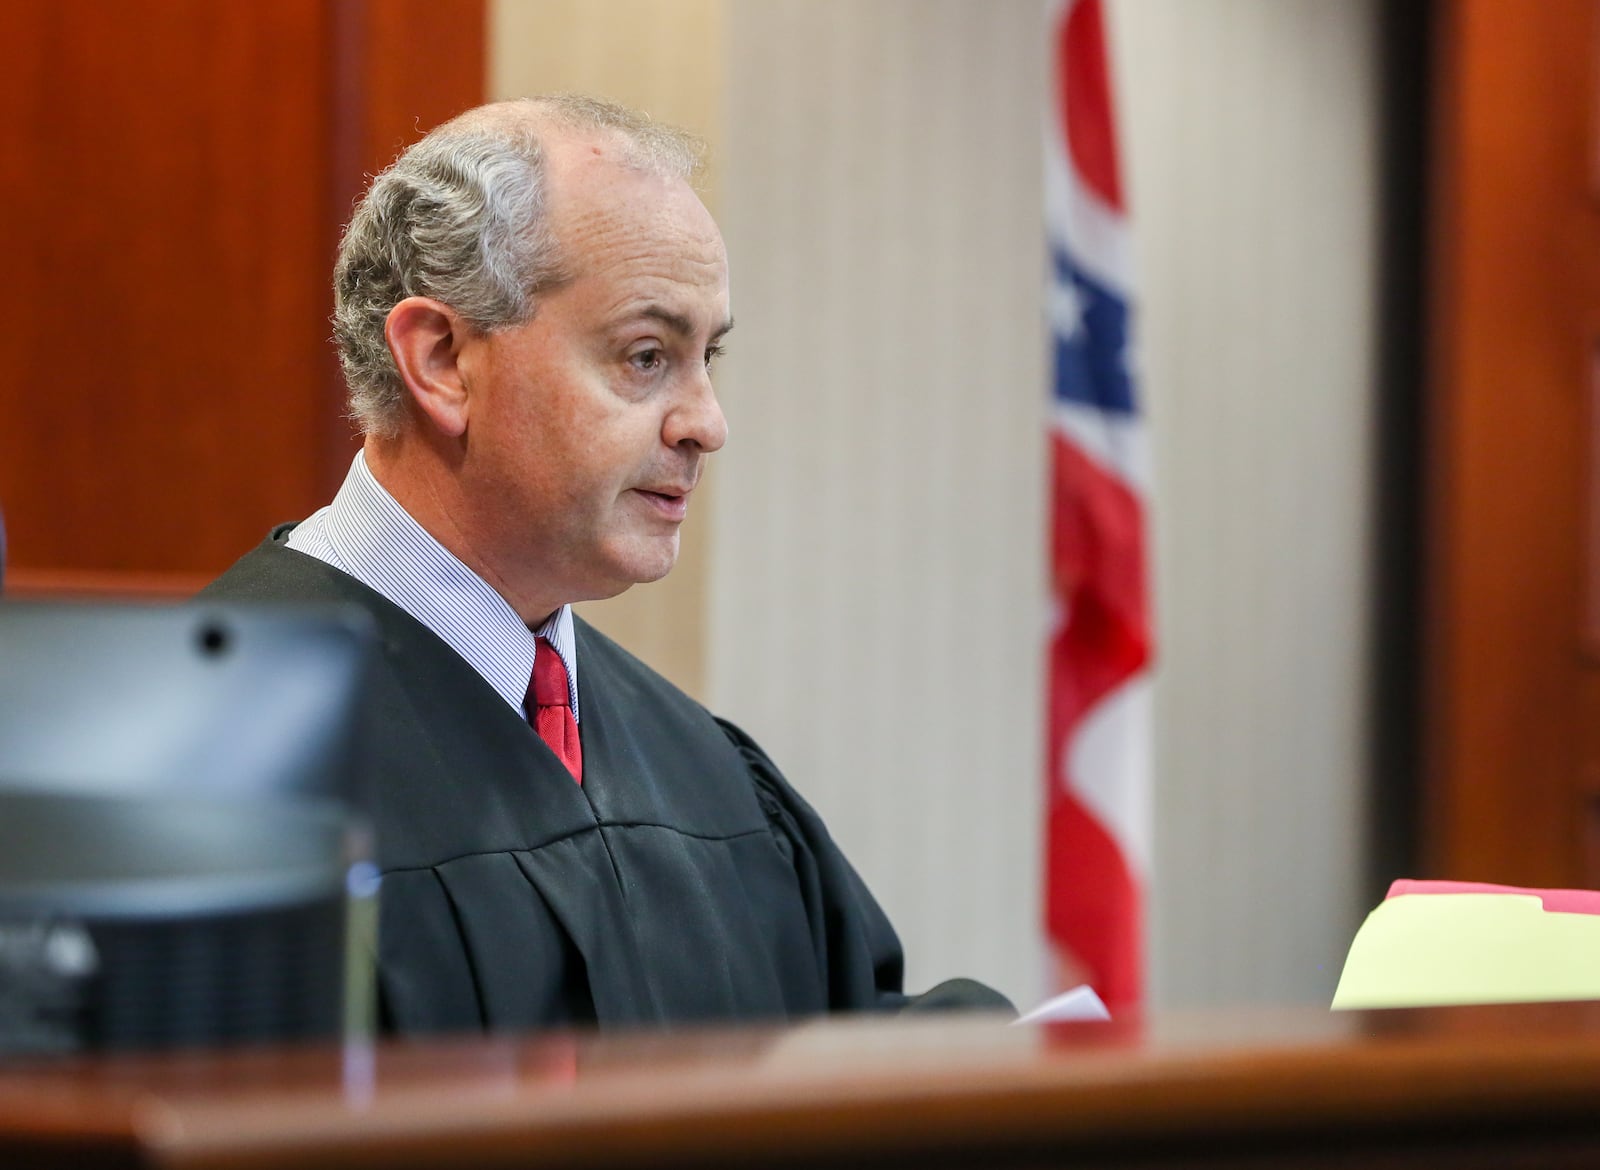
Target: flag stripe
{"points": [[1083, 89]]}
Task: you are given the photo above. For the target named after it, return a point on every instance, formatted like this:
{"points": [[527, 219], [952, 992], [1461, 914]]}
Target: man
{"points": [[529, 302]]}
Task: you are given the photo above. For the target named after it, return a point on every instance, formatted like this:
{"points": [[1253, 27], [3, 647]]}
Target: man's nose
{"points": [[696, 418]]}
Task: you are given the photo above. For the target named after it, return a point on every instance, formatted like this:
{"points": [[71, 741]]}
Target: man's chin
{"points": [[642, 565], [644, 575]]}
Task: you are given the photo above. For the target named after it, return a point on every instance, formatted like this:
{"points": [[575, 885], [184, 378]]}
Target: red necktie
{"points": [[550, 707]]}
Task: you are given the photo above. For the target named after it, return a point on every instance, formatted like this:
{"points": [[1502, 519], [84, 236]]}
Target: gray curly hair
{"points": [[460, 217]]}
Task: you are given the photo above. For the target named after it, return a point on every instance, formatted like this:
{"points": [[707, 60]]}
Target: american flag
{"points": [[1098, 845]]}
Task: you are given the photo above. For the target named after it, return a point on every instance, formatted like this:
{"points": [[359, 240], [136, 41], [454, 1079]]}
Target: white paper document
{"points": [[1081, 1003]]}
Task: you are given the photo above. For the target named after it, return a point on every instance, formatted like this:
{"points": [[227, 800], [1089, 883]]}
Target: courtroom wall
{"points": [[1253, 136], [878, 587]]}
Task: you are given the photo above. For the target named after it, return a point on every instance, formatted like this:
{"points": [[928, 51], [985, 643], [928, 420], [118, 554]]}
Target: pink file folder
{"points": [[1555, 901]]}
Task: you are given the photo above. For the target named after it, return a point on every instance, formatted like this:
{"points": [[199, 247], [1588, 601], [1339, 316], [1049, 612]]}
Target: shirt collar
{"points": [[378, 543]]}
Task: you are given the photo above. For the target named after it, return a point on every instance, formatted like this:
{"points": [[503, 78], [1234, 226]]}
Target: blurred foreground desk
{"points": [[1463, 1087]]}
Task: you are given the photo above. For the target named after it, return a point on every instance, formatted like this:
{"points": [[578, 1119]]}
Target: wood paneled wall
{"points": [[1513, 694], [173, 187]]}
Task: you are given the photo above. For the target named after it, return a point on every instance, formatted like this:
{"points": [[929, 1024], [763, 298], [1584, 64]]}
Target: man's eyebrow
{"points": [[680, 324]]}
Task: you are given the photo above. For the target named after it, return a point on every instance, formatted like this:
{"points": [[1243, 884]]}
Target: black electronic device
{"points": [[184, 857]]}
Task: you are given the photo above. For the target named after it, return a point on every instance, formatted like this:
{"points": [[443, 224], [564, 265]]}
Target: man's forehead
{"points": [[589, 175], [651, 226]]}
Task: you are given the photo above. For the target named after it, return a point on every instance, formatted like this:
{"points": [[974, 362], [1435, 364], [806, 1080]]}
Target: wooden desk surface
{"points": [[1464, 1087]]}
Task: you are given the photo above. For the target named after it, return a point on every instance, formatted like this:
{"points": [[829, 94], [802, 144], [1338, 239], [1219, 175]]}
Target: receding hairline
{"points": [[646, 144]]}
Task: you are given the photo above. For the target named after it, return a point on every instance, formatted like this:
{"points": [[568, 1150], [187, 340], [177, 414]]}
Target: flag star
{"points": [[1066, 309]]}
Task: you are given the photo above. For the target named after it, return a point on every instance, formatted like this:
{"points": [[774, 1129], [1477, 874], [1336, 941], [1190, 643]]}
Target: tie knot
{"points": [[549, 677]]}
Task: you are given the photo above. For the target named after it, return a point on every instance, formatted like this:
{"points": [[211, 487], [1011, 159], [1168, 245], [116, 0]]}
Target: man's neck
{"points": [[422, 482]]}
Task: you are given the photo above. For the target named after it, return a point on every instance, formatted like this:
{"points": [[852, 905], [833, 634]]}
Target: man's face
{"points": [[588, 426]]}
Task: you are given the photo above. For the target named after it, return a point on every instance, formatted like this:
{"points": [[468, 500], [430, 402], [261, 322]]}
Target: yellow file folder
{"points": [[1432, 943]]}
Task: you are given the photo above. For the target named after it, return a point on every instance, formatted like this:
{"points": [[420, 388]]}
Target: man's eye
{"points": [[647, 359], [713, 352]]}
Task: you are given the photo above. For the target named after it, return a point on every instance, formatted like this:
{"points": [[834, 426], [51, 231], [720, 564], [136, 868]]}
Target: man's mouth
{"points": [[671, 502], [668, 491]]}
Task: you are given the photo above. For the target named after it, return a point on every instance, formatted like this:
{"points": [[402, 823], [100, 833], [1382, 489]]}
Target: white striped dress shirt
{"points": [[367, 534]]}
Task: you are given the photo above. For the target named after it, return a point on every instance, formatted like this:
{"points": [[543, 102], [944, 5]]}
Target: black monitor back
{"points": [[181, 824]]}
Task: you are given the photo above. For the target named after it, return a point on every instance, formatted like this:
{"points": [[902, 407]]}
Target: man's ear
{"points": [[425, 338]]}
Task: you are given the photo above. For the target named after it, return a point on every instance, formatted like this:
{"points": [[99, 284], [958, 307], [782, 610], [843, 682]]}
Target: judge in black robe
{"points": [[527, 307], [684, 880]]}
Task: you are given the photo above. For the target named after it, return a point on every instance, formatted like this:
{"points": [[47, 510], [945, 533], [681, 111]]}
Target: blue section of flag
{"points": [[1091, 366]]}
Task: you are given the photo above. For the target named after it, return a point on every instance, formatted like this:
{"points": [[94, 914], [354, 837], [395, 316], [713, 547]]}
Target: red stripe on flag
{"points": [[1083, 92], [1094, 904], [1097, 561], [1092, 898]]}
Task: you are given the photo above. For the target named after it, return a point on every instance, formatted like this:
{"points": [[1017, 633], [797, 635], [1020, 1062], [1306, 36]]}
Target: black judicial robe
{"points": [[683, 881]]}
